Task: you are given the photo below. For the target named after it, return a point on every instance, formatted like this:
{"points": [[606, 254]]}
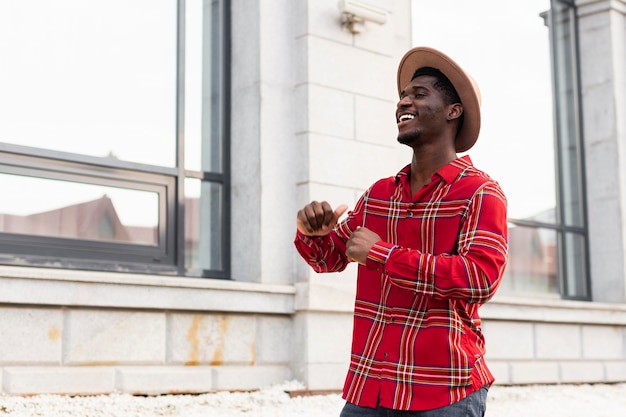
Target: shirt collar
{"points": [[448, 172]]}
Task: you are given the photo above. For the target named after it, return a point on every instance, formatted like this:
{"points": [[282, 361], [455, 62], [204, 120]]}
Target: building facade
{"points": [[154, 175]]}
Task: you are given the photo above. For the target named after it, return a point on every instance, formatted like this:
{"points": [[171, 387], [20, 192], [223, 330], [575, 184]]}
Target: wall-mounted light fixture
{"points": [[354, 14]]}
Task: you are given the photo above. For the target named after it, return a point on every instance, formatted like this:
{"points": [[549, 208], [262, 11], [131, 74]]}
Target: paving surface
{"points": [[602, 400]]}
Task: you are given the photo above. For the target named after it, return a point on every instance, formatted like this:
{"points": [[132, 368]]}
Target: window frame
{"points": [[168, 256], [562, 229]]}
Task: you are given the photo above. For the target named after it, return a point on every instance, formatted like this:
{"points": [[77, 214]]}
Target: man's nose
{"points": [[404, 101]]}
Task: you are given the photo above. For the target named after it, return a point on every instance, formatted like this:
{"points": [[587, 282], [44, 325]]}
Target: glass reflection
{"points": [[52, 208], [575, 268], [532, 265], [203, 86], [563, 20], [203, 225]]}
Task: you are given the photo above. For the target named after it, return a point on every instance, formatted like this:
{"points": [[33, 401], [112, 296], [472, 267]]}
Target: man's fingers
{"points": [[318, 218], [328, 214]]}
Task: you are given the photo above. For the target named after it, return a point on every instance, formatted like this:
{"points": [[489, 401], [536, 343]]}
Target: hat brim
{"points": [[464, 85]]}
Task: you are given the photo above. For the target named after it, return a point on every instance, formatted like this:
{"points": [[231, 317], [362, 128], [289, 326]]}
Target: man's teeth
{"points": [[406, 117]]}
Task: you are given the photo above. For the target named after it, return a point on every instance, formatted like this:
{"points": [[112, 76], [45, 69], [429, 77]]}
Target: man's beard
{"points": [[409, 138]]}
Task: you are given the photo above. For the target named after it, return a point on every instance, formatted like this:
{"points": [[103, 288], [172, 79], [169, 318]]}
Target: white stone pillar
{"points": [[602, 40]]}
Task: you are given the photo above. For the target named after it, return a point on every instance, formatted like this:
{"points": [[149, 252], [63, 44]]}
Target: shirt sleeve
{"points": [[322, 253], [473, 273], [328, 253]]}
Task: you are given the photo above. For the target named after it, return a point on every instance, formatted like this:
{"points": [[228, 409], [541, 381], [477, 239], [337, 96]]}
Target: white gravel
{"points": [[602, 400]]}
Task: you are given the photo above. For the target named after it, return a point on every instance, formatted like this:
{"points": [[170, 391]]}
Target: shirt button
{"points": [[385, 354]]}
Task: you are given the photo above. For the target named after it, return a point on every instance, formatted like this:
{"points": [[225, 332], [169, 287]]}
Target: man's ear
{"points": [[455, 111]]}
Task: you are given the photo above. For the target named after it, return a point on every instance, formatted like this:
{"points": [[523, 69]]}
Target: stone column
{"points": [[345, 131], [602, 41]]}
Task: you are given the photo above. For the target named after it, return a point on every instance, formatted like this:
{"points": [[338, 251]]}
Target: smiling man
{"points": [[431, 243]]}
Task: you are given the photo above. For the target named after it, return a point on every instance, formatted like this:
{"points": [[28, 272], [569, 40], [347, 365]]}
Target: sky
{"points": [[505, 47]]}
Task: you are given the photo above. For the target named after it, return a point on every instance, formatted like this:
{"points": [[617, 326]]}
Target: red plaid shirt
{"points": [[417, 340]]}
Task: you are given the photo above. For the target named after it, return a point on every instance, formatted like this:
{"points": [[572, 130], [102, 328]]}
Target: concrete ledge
{"points": [[58, 380], [549, 310], [322, 376], [45, 286], [138, 380], [576, 372], [534, 372], [500, 371], [588, 7], [557, 372], [248, 377], [164, 379], [615, 371]]}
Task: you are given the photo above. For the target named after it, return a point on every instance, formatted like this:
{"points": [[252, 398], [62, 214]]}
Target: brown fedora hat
{"points": [[464, 85]]}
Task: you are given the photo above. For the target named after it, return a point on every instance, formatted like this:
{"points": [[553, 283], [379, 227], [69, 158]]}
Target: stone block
{"points": [[509, 340], [324, 104], [274, 341], [500, 371], [211, 339], [248, 377], [603, 342], [325, 376], [377, 123], [327, 338], [31, 335], [615, 371], [335, 195], [557, 341], [114, 337], [59, 380], [164, 379], [367, 165], [576, 372], [601, 115], [355, 70], [534, 372], [327, 292]]}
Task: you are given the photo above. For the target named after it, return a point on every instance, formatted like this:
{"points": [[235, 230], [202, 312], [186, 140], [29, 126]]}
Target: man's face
{"points": [[421, 112]]}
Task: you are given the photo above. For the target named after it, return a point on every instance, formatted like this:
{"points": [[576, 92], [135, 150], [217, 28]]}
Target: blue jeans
{"points": [[473, 405]]}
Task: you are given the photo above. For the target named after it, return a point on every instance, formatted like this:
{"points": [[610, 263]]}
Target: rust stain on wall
{"points": [[54, 334], [253, 353], [218, 355], [194, 341]]}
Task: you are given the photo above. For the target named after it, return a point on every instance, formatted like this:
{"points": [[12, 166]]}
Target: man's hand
{"points": [[360, 243], [318, 219]]}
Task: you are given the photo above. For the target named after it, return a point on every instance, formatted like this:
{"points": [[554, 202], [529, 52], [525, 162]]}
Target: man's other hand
{"points": [[360, 243]]}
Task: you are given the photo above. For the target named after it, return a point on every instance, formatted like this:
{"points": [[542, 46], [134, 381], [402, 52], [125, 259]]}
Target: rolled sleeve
{"points": [[378, 255]]}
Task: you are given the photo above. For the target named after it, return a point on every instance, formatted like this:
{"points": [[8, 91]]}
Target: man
{"points": [[432, 246]]}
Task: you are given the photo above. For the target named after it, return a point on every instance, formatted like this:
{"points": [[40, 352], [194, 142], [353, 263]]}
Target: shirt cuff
{"points": [[378, 255]]}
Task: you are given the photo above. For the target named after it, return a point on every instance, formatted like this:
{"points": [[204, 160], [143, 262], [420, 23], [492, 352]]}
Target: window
{"points": [[114, 135], [560, 265], [571, 209], [525, 62]]}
